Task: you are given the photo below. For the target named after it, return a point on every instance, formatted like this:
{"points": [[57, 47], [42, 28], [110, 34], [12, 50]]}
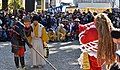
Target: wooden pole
{"points": [[45, 59]]}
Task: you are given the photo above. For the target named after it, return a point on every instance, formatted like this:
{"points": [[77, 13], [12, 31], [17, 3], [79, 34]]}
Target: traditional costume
{"points": [[28, 28], [88, 38], [28, 33], [39, 37], [18, 40]]}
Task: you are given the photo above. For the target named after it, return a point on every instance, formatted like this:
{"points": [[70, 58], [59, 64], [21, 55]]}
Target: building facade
{"points": [[35, 5], [95, 3]]}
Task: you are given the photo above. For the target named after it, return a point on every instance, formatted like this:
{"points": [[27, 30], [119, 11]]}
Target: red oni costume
{"points": [[88, 39]]}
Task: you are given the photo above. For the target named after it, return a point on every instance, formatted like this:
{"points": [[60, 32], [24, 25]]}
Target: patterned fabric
{"points": [[18, 38], [88, 39], [86, 63], [28, 33], [93, 63]]}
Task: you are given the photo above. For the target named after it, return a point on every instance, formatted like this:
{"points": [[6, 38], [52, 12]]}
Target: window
{"points": [[38, 2]]}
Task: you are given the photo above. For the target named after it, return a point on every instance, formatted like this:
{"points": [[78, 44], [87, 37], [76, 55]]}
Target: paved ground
{"points": [[62, 55]]}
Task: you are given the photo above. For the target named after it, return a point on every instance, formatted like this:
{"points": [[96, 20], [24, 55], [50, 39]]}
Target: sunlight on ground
{"points": [[1, 46], [53, 52], [69, 47]]}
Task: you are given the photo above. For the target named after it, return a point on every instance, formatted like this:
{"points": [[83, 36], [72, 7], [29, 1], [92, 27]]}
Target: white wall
{"points": [[96, 5], [117, 3]]}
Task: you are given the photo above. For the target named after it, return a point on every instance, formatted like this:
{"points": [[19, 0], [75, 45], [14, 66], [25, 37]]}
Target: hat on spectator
{"points": [[77, 19], [36, 18]]}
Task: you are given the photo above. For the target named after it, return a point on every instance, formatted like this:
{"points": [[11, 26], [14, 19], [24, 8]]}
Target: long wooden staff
{"points": [[45, 59]]}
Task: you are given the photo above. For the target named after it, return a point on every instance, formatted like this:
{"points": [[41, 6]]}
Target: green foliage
{"points": [[15, 4]]}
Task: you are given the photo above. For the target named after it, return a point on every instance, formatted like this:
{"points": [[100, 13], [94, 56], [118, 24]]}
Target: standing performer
{"points": [[18, 40], [97, 44], [28, 28], [106, 47], [39, 39]]}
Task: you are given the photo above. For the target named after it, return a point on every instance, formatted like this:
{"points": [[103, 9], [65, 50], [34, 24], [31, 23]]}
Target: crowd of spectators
{"points": [[52, 22]]}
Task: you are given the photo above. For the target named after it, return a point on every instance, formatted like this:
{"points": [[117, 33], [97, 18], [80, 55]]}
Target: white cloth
{"points": [[38, 45]]}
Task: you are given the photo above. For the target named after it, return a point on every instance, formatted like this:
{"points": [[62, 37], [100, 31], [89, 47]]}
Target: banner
{"points": [[98, 10]]}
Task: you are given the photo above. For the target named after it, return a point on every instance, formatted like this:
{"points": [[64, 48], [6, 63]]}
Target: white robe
{"points": [[38, 45]]}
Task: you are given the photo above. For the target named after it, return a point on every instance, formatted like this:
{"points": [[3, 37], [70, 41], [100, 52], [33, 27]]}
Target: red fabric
{"points": [[82, 28], [21, 51], [89, 36], [93, 63]]}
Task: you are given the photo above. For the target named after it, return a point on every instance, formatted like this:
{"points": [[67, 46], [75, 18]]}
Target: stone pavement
{"points": [[62, 55]]}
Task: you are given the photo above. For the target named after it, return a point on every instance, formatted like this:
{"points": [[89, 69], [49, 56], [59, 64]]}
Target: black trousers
{"points": [[22, 61]]}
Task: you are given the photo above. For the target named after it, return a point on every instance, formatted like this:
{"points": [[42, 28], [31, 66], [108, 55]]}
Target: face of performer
{"points": [[27, 24], [35, 22]]}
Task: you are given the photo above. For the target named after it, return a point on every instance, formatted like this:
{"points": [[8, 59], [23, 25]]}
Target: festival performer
{"points": [[105, 42], [39, 40], [18, 40], [28, 28], [88, 38]]}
